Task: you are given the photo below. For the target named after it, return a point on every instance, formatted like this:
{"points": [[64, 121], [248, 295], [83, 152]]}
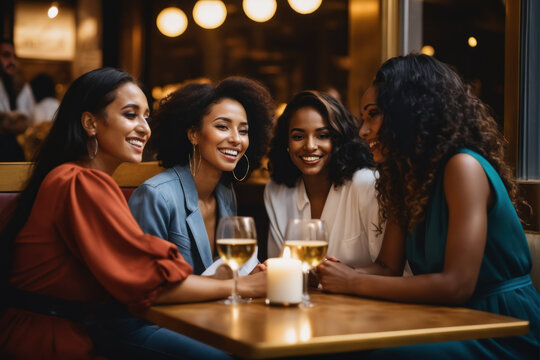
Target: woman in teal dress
{"points": [[448, 200]]}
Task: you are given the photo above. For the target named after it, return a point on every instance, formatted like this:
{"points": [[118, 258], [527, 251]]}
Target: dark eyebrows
{"points": [[318, 129], [368, 105], [131, 105], [229, 120]]}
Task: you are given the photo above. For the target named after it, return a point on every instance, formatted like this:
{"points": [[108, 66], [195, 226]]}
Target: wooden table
{"points": [[337, 323]]}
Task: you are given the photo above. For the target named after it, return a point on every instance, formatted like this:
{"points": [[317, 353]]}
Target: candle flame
{"points": [[286, 253]]}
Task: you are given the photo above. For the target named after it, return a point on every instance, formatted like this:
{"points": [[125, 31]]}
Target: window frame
{"points": [[517, 55]]}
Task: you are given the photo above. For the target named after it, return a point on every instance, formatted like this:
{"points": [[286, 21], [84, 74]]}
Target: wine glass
{"points": [[236, 241], [306, 241]]}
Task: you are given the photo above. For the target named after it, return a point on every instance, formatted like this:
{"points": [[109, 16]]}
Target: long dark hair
{"points": [[66, 142], [428, 114], [185, 108], [349, 152]]}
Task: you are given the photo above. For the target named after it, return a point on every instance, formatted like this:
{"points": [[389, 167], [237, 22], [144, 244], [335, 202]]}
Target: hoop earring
{"points": [[93, 155], [193, 168], [247, 170]]}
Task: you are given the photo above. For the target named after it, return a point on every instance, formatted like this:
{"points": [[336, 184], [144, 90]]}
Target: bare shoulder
{"points": [[464, 178], [463, 165]]}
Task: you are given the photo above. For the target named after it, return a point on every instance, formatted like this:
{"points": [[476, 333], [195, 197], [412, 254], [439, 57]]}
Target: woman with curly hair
{"points": [[207, 137], [320, 168], [448, 200]]}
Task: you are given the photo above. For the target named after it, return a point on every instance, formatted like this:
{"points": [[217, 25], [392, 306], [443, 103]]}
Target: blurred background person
{"points": [[16, 104], [46, 105], [43, 88]]}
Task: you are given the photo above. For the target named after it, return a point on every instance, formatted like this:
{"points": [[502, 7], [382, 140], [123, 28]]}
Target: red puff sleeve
{"points": [[130, 265]]}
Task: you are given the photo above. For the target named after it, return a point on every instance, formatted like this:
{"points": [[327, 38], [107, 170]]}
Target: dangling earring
{"points": [[93, 155], [194, 168], [247, 170]]}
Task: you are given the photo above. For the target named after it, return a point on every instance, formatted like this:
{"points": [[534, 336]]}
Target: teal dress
{"points": [[503, 287]]}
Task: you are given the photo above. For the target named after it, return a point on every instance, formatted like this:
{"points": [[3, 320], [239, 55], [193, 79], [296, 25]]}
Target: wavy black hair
{"points": [[428, 114], [185, 108], [349, 152], [66, 142]]}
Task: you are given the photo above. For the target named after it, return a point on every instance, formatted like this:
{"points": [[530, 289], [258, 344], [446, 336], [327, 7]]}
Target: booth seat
{"points": [[14, 175]]}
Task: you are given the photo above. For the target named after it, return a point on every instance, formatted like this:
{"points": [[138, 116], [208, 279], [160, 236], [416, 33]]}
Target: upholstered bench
{"points": [[14, 175]]}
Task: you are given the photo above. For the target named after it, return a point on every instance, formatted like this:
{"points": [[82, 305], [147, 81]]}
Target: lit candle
{"points": [[284, 281]]}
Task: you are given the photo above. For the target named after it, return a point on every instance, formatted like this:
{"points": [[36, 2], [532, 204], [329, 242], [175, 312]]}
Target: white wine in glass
{"points": [[310, 252], [307, 242], [236, 241]]}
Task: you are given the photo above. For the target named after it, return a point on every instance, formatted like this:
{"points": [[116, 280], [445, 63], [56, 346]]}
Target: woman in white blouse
{"points": [[321, 169]]}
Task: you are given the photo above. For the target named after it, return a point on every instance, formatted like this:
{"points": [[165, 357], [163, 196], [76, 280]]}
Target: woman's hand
{"points": [[314, 278], [223, 272], [258, 268], [336, 277], [253, 285]]}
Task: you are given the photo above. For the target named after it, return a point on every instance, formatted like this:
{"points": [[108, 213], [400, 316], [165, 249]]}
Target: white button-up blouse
{"points": [[350, 213]]}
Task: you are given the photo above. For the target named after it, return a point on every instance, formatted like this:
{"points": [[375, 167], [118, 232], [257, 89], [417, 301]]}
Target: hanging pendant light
{"points": [[53, 10], [305, 6], [209, 14], [259, 10], [172, 22]]}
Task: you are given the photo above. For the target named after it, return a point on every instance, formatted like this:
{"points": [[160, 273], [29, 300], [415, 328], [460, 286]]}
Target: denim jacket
{"points": [[167, 205]]}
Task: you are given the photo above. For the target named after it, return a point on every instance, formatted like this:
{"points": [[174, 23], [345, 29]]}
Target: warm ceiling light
{"points": [[53, 10], [472, 41], [427, 50], [305, 6], [172, 22], [209, 14], [259, 10]]}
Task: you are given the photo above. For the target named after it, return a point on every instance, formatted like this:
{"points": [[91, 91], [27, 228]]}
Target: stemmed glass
{"points": [[236, 241], [306, 240]]}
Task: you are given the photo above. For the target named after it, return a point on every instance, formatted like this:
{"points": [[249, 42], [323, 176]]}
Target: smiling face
{"points": [[123, 131], [223, 137], [310, 146], [371, 117]]}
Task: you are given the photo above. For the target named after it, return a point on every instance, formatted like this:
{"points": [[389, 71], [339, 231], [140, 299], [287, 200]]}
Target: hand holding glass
{"points": [[236, 241], [306, 240]]}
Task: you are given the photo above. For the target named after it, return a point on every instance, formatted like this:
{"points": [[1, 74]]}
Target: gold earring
{"points": [[194, 168], [247, 170]]}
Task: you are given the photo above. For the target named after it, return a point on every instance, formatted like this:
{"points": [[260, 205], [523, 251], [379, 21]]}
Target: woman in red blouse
{"points": [[72, 253]]}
